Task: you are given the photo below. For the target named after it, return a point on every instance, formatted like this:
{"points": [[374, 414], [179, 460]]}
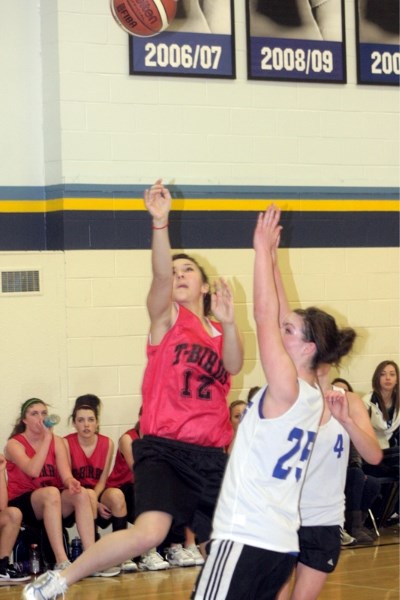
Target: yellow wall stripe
{"points": [[199, 204]]}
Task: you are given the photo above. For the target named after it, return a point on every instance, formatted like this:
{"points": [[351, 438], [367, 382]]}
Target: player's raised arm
{"points": [[159, 300], [278, 367]]}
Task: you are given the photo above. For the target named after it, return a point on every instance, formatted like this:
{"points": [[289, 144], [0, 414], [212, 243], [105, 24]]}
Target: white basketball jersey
{"points": [[259, 499], [322, 497]]}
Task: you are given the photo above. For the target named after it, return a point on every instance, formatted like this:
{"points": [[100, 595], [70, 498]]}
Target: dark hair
{"points": [[252, 392], [236, 403], [89, 402], [204, 278], [376, 387], [340, 380], [331, 342], [20, 426]]}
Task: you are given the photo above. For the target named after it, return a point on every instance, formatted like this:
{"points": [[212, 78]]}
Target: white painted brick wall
{"points": [[88, 331]]}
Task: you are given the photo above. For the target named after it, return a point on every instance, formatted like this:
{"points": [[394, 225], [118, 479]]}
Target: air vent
{"points": [[19, 282]]}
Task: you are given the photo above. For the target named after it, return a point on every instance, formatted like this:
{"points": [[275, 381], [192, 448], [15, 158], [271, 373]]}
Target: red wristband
{"points": [[163, 227]]}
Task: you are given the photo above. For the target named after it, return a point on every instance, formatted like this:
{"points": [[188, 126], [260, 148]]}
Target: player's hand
{"points": [[338, 404], [103, 511], [267, 232], [158, 202], [222, 302], [73, 486]]}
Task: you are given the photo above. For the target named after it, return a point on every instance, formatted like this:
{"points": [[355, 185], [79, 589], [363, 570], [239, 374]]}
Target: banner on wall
{"points": [[378, 42], [296, 40], [198, 43]]}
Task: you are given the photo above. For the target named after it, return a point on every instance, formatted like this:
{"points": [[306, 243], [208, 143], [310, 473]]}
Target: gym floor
{"points": [[363, 573]]}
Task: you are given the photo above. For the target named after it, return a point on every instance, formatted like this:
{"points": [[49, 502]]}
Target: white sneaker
{"points": [[129, 566], [152, 561], [46, 587], [346, 539], [111, 572], [177, 556], [196, 554]]}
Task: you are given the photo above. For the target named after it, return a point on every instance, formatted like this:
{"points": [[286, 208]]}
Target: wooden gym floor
{"points": [[363, 573]]}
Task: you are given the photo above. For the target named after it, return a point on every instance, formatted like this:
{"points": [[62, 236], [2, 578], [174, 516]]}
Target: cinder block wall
{"points": [[75, 116]]}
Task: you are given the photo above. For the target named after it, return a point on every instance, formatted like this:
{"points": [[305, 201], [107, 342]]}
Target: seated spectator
{"points": [[10, 523], [40, 482], [343, 383], [236, 409], [90, 454], [383, 407]]}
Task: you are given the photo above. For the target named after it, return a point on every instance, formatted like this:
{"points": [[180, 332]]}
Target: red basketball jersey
{"points": [[121, 473], [185, 385], [88, 470], [19, 482]]}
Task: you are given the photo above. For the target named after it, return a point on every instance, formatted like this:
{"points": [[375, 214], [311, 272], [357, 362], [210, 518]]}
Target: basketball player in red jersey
{"points": [[180, 461]]}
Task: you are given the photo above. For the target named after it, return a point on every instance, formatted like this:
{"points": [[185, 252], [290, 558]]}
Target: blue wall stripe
{"points": [[312, 220], [132, 230], [199, 191]]}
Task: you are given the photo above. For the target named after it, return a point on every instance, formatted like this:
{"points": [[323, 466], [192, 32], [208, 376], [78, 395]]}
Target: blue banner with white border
{"points": [[300, 60], [379, 64], [378, 42], [199, 42], [181, 53], [297, 40]]}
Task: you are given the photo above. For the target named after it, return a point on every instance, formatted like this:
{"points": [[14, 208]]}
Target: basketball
{"points": [[143, 17]]}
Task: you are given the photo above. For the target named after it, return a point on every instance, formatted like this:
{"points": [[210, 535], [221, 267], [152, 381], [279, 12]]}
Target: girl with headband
{"points": [[40, 482]]}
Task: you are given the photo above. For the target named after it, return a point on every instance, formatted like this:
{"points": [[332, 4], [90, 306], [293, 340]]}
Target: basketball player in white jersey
{"points": [[254, 539], [322, 501]]}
